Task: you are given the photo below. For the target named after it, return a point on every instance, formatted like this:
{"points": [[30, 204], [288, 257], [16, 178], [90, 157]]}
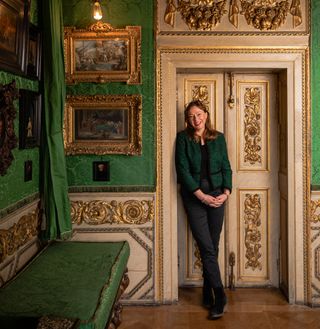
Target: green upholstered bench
{"points": [[68, 285]]}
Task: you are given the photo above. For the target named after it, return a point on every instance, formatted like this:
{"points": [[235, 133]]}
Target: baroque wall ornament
{"points": [[252, 220], [252, 125], [201, 15], [8, 138], [19, 234], [205, 15], [200, 93], [99, 212]]}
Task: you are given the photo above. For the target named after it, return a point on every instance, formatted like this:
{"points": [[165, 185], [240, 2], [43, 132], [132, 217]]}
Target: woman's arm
{"points": [[183, 165]]}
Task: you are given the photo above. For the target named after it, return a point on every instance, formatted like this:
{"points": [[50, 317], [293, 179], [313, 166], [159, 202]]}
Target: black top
{"points": [[204, 173]]}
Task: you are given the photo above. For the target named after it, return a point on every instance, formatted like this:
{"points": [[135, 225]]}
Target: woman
{"points": [[205, 175]]}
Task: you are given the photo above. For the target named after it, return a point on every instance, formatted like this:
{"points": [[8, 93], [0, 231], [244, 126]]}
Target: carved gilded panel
{"points": [[16, 236], [253, 235], [253, 123]]}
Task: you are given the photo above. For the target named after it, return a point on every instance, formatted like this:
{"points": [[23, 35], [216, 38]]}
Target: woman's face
{"points": [[197, 119]]}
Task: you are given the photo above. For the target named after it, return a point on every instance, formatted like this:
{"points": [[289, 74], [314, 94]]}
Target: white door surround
{"points": [[294, 60]]}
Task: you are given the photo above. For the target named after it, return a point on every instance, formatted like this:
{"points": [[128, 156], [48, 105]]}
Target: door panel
{"points": [[253, 207]]}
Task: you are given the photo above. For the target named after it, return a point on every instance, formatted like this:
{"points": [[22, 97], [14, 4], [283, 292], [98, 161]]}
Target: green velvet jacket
{"points": [[188, 162]]}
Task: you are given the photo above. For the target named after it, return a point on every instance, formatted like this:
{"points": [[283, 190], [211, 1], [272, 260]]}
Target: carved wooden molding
{"points": [[99, 212], [8, 138]]}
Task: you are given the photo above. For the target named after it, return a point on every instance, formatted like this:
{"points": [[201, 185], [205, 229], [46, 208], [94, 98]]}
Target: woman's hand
{"points": [[210, 200]]}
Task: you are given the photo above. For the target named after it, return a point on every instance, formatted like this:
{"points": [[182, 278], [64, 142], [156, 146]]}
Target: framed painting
{"points": [[33, 53], [29, 119], [103, 124], [101, 171], [13, 34], [103, 54]]}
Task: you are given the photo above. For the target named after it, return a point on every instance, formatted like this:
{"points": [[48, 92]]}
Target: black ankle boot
{"points": [[217, 310]]}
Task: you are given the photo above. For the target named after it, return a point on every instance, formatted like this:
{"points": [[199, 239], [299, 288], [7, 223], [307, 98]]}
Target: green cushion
{"points": [[76, 280]]}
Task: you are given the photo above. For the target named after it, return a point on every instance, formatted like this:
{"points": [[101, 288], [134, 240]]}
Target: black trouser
{"points": [[206, 225]]}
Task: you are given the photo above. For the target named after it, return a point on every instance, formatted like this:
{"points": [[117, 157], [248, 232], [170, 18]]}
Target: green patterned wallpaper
{"points": [[315, 92], [13, 189], [124, 170]]}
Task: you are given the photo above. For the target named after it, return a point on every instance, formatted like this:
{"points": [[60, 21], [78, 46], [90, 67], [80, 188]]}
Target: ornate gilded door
{"points": [[253, 214], [243, 106]]}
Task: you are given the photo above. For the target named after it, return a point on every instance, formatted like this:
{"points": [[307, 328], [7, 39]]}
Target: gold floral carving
{"points": [[19, 234], [252, 220], [200, 93], [315, 211], [205, 15], [252, 125], [202, 15], [99, 212], [265, 14]]}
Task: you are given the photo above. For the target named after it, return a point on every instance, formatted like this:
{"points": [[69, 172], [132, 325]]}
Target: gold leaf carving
{"points": [[99, 212], [201, 15], [252, 220], [252, 125], [198, 263], [200, 93], [296, 12], [100, 27], [315, 211], [265, 14], [234, 13], [170, 14], [19, 234]]}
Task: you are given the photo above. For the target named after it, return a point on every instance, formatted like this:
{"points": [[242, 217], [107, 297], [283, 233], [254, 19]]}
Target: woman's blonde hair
{"points": [[209, 132]]}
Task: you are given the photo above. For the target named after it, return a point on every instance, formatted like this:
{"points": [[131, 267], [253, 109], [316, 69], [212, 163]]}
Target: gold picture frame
{"points": [[102, 54], [103, 124]]}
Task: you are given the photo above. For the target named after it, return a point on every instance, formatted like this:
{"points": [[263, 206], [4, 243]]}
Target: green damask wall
{"points": [[13, 189], [126, 171], [315, 93]]}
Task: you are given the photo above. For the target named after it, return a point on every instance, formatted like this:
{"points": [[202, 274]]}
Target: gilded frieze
{"points": [[205, 15], [19, 234], [99, 212], [252, 220]]}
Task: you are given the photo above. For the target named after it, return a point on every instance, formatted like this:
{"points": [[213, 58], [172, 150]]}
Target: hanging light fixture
{"points": [[97, 12]]}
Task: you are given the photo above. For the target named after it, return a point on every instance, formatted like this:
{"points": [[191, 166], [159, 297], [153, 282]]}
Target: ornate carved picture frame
{"points": [[103, 124], [102, 54], [8, 138], [13, 36]]}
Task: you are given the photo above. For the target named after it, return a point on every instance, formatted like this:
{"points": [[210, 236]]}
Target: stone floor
{"points": [[246, 309]]}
